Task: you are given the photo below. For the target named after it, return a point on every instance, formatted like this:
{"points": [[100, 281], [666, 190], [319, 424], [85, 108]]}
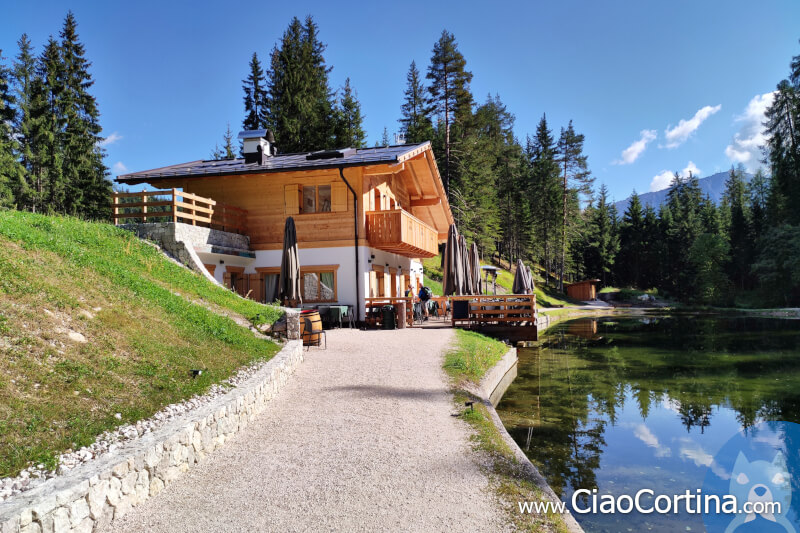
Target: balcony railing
{"points": [[176, 206], [402, 233]]}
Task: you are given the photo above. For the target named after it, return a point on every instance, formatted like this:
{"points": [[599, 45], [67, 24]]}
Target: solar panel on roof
{"points": [[252, 134]]}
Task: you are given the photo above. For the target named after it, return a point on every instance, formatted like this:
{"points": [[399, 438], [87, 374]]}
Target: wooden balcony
{"points": [[176, 206], [402, 233]]}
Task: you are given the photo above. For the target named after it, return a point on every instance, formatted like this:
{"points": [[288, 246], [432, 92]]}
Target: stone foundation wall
{"points": [[179, 240], [91, 496]]}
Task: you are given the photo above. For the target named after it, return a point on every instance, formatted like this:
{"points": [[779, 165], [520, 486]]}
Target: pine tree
{"points": [[545, 195], [416, 122], [11, 172], [738, 230], [783, 153], [255, 97], [349, 120], [449, 94], [87, 189], [603, 238], [633, 245], [576, 180], [48, 191], [385, 141], [24, 75], [227, 151], [301, 108], [757, 197]]}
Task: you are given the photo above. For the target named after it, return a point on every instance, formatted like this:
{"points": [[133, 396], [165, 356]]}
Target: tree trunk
{"points": [[563, 230]]}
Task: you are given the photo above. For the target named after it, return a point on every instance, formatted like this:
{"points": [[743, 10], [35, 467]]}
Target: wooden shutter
{"points": [[256, 287], [291, 198], [226, 279], [338, 197], [211, 269], [373, 284]]}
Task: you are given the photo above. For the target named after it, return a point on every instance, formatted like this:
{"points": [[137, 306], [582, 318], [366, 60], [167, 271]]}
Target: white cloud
{"points": [[747, 142], [632, 152], [111, 139], [661, 181], [119, 168], [644, 434], [678, 135], [695, 453], [664, 179]]}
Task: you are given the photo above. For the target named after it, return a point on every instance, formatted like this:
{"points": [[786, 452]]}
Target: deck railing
{"points": [[506, 310], [401, 232], [374, 303], [176, 206]]}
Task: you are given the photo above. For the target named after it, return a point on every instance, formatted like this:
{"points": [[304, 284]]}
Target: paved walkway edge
{"points": [[91, 496], [493, 377]]}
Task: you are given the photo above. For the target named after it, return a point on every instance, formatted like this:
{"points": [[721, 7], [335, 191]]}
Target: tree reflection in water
{"points": [[592, 379]]}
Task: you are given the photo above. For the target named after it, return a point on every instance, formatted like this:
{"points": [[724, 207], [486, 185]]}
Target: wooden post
{"points": [[174, 205], [115, 209], [194, 212], [144, 207]]}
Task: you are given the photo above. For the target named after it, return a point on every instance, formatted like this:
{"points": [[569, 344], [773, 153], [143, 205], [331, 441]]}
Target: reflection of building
{"points": [[583, 290], [364, 217], [584, 328]]}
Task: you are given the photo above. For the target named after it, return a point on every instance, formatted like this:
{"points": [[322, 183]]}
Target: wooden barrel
{"points": [[310, 316]]}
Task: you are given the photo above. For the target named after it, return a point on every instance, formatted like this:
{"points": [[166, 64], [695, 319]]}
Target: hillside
{"points": [[713, 185], [99, 329]]}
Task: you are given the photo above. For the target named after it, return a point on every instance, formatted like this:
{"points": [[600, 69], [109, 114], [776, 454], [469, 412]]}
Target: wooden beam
{"points": [[425, 202]]}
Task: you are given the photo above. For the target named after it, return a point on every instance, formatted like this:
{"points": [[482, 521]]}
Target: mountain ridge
{"points": [[713, 185]]}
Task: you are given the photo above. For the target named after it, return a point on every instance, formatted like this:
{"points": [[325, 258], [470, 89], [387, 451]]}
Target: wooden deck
{"points": [[175, 206]]}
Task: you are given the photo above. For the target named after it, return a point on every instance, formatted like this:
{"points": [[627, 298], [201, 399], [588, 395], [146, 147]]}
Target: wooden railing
{"points": [[507, 310], [373, 303], [401, 232], [176, 206]]}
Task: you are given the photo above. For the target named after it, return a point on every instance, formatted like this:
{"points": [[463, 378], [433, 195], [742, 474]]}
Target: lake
{"points": [[625, 403]]}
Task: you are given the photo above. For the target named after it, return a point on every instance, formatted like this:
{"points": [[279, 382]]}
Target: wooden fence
{"points": [[176, 206], [511, 310]]}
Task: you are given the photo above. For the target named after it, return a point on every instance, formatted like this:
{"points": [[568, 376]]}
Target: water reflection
{"points": [[622, 404]]}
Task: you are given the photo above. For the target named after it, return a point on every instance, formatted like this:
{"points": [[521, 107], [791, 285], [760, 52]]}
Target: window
{"points": [[318, 284], [317, 199], [309, 199]]}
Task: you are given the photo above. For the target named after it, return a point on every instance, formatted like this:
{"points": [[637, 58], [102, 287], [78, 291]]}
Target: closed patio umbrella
{"points": [[465, 262], [475, 265], [289, 282], [523, 284], [453, 273]]}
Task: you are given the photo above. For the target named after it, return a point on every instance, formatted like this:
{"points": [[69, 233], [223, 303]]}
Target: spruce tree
{"points": [[255, 97], [11, 172], [603, 238], [576, 181], [385, 141], [227, 151], [24, 75], [633, 244], [87, 189], [415, 118], [349, 120], [738, 230], [449, 94], [545, 193], [301, 108], [783, 153]]}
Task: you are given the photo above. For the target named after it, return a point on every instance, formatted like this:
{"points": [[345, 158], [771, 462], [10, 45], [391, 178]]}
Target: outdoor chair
{"points": [[308, 335]]}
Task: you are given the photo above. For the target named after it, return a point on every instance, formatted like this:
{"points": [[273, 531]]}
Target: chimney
{"points": [[258, 146]]}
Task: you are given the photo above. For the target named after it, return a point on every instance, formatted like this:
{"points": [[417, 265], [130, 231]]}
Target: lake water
{"points": [[622, 404]]}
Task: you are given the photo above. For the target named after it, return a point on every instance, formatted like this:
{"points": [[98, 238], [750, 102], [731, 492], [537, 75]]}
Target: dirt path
{"points": [[361, 439]]}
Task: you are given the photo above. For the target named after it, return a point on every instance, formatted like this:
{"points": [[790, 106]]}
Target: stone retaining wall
{"points": [[91, 496], [179, 240]]}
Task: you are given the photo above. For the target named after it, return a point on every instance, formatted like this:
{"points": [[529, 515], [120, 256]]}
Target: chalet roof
{"points": [[282, 163]]}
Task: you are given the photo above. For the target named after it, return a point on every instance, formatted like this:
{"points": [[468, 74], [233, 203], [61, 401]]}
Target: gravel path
{"points": [[361, 439]]}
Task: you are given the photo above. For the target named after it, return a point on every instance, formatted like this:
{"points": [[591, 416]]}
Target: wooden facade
{"points": [[418, 215]]}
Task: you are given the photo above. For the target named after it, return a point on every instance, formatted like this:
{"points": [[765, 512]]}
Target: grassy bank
{"points": [[99, 329], [466, 363]]}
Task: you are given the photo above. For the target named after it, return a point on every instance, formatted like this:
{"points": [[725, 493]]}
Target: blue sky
{"points": [[686, 79]]}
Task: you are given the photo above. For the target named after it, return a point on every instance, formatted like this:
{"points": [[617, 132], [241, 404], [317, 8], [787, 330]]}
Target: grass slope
{"points": [[147, 322]]}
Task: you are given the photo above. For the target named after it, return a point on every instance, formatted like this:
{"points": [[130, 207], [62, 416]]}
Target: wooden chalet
{"points": [[364, 217]]}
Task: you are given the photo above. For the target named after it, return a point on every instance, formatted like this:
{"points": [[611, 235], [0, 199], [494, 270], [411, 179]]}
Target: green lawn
{"points": [[472, 355], [146, 322]]}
